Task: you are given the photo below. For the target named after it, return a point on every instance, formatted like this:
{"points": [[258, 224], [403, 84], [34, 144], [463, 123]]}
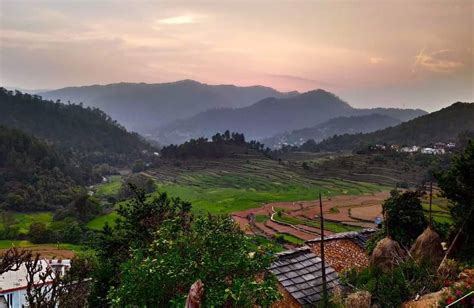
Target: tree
{"points": [[139, 219], [12, 259], [213, 250], [404, 217], [457, 184], [38, 232]]}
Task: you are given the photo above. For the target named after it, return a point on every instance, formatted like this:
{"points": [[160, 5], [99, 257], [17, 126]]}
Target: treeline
{"points": [[220, 145], [85, 133], [33, 175]]}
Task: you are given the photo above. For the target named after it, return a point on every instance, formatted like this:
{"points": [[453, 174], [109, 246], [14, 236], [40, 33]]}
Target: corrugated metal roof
{"points": [[299, 272]]}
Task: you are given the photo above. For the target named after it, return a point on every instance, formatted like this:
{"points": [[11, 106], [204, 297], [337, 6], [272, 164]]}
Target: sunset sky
{"points": [[370, 53]]}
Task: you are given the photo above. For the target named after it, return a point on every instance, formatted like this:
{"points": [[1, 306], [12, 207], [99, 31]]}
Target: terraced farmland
{"points": [[235, 184]]}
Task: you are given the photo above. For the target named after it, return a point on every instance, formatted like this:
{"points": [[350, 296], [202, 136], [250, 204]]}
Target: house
{"points": [[299, 273], [412, 149], [344, 250], [13, 283], [429, 151]]}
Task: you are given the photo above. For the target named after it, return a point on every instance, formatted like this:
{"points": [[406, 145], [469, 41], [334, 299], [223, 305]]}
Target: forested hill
{"points": [[33, 176], [336, 126], [272, 116], [139, 106], [441, 126], [88, 133]]}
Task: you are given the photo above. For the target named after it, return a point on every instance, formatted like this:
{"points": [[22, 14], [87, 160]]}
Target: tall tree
{"points": [[457, 184]]}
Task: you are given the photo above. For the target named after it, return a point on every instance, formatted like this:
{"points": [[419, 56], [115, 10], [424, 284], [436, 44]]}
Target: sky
{"points": [[400, 53]]}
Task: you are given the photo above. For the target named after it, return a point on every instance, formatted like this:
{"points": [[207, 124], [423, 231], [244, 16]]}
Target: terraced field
{"points": [[229, 185]]}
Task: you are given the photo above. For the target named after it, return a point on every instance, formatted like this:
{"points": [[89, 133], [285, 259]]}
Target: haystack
{"points": [[361, 299], [427, 248], [386, 255]]}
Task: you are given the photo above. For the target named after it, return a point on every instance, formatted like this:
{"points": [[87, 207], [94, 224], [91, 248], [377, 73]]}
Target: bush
{"points": [[39, 233], [393, 288]]}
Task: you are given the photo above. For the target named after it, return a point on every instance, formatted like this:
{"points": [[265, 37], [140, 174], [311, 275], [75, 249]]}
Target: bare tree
{"points": [[12, 259], [49, 288]]}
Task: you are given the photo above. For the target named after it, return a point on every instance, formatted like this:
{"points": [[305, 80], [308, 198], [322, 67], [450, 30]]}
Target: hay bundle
{"points": [[386, 255], [361, 299], [427, 248]]}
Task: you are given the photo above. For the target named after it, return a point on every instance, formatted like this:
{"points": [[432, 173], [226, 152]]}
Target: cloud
{"points": [[440, 61], [178, 20], [376, 60]]}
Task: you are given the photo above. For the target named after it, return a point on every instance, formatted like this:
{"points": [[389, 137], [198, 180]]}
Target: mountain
{"points": [[336, 126], [86, 133], [441, 126], [140, 106], [269, 117], [33, 175]]}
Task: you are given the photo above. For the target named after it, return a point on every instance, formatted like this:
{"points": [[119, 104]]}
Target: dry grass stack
{"points": [[386, 255], [427, 248], [361, 299]]}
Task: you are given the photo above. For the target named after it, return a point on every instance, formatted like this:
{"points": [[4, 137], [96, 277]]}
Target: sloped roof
{"points": [[299, 272], [360, 237]]}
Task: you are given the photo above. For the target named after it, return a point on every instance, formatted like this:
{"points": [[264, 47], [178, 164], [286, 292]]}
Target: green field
{"points": [[290, 239], [110, 188], [5, 244], [226, 186], [328, 225], [24, 220]]}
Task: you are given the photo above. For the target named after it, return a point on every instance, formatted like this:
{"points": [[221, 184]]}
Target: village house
{"points": [[13, 284]]}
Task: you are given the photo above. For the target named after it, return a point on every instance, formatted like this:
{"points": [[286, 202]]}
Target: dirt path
{"points": [[356, 210]]}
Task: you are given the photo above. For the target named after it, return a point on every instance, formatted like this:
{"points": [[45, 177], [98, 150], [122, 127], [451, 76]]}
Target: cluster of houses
{"points": [[438, 148]]}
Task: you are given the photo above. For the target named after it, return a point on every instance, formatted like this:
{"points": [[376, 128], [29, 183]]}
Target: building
{"points": [[299, 273], [412, 149], [13, 283]]}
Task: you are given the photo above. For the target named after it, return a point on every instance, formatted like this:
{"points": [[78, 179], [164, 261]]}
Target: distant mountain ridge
{"points": [[336, 126], [272, 116], [444, 125], [85, 133], [141, 106]]}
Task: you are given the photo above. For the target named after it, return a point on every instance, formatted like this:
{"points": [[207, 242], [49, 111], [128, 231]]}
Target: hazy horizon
{"points": [[371, 54]]}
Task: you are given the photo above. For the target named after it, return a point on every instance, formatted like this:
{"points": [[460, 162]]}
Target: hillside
{"points": [[270, 117], [88, 133], [441, 126], [33, 175], [140, 106], [336, 126]]}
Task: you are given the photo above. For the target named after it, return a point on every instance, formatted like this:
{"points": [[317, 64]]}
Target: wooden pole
{"points": [[323, 261], [431, 202]]}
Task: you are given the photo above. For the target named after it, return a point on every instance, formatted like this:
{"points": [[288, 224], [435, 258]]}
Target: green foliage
{"points": [[83, 208], [139, 181], [283, 238], [39, 233], [393, 288], [404, 216], [224, 145], [34, 176], [457, 184], [138, 166], [153, 255], [87, 134], [374, 239], [213, 250]]}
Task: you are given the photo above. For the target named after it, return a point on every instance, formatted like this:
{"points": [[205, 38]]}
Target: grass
{"points": [[5, 244], [328, 225], [99, 222], [261, 218], [289, 239], [24, 220], [263, 241], [109, 188]]}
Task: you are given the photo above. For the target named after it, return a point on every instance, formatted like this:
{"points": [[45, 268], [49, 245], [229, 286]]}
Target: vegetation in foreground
{"points": [[159, 249]]}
